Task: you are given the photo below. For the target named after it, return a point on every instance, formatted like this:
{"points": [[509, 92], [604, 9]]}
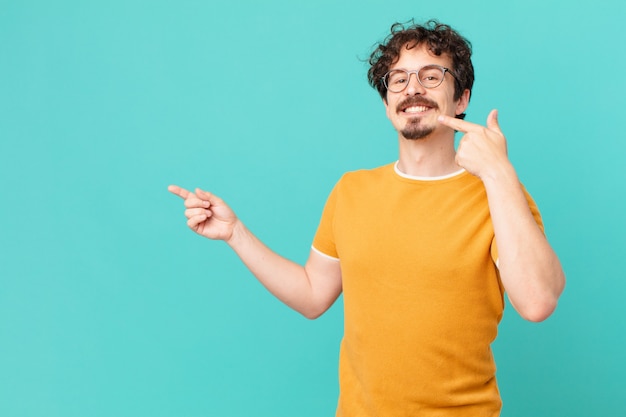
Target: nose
{"points": [[414, 87]]}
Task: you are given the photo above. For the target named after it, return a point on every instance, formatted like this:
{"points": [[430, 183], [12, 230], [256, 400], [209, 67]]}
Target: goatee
{"points": [[414, 130]]}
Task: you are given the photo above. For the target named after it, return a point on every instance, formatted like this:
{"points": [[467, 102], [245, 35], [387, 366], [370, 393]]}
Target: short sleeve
{"points": [[324, 240]]}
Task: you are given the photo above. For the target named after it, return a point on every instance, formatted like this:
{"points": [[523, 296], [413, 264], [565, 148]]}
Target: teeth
{"points": [[415, 109]]}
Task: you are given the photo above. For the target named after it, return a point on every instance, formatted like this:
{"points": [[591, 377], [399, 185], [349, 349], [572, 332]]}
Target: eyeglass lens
{"points": [[429, 76]]}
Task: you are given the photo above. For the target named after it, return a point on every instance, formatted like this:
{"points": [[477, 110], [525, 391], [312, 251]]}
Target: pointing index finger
{"points": [[457, 124], [179, 191]]}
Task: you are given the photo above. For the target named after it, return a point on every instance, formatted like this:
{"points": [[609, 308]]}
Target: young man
{"points": [[423, 249]]}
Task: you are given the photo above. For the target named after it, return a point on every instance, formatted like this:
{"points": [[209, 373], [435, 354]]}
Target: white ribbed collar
{"points": [[414, 177]]}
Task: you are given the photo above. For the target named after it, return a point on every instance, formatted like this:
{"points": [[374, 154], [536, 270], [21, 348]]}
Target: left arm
{"points": [[530, 270]]}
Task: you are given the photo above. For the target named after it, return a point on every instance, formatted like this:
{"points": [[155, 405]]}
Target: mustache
{"points": [[416, 101]]}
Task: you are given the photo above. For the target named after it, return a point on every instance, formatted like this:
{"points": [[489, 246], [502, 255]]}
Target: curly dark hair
{"points": [[440, 39]]}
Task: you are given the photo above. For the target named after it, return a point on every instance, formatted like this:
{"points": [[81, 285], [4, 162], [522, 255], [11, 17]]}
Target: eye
{"points": [[431, 76], [397, 78]]}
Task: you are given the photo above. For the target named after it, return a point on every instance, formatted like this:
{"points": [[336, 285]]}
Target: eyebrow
{"points": [[419, 68]]}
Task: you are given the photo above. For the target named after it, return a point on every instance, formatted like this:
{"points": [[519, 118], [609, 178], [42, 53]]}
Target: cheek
{"points": [[449, 103]]}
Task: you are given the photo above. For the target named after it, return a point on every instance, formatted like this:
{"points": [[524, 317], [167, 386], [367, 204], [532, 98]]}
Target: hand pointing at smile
{"points": [[482, 149]]}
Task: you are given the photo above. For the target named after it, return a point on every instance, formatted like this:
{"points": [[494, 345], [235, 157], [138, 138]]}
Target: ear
{"points": [[463, 102]]}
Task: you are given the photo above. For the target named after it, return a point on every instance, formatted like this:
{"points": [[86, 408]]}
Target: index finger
{"points": [[457, 124], [179, 191]]}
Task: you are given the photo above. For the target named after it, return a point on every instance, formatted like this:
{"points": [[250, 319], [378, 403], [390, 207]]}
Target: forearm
{"points": [[530, 270], [287, 280]]}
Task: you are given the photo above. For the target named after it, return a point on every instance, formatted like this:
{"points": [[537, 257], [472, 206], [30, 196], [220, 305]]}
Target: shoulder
{"points": [[363, 177]]}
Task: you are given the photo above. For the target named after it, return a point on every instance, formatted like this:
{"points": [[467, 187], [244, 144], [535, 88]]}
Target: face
{"points": [[413, 112]]}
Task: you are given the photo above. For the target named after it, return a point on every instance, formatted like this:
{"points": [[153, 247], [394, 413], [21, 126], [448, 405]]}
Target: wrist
{"points": [[237, 234], [500, 173]]}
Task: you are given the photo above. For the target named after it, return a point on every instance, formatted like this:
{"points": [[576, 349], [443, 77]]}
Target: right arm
{"points": [[310, 289]]}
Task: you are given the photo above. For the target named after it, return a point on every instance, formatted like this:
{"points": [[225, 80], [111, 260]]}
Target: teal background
{"points": [[110, 306]]}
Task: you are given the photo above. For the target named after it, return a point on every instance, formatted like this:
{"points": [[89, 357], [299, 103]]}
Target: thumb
{"points": [[492, 121]]}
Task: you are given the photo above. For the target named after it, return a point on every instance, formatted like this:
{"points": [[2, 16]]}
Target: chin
{"points": [[416, 133]]}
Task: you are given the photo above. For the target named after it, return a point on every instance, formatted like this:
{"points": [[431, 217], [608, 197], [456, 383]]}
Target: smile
{"points": [[414, 106], [416, 109]]}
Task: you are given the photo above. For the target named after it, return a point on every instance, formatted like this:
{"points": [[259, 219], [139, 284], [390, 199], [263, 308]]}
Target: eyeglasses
{"points": [[429, 76]]}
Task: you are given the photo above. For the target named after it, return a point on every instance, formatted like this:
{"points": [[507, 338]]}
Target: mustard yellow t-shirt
{"points": [[422, 295]]}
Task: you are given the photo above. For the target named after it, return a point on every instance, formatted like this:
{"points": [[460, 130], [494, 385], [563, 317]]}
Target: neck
{"points": [[427, 157]]}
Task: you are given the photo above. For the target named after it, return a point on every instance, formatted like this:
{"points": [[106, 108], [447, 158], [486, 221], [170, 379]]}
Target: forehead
{"points": [[419, 55]]}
